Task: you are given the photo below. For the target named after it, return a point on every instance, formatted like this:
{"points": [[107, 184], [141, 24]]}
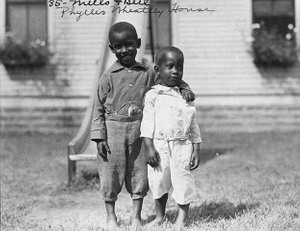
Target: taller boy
{"points": [[116, 123]]}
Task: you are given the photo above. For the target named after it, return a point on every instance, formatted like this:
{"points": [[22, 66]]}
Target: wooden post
{"points": [[71, 171], [71, 166]]}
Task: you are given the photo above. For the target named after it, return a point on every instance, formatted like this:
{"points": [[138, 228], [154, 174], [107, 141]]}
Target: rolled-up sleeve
{"points": [[98, 128], [147, 125]]}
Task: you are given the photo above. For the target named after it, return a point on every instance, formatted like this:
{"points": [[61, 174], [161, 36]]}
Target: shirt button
{"points": [[130, 85]]}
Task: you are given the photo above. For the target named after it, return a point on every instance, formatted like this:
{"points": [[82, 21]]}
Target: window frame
{"points": [[273, 20], [26, 3]]}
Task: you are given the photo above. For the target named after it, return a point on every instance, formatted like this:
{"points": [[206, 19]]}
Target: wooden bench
{"points": [[81, 147]]}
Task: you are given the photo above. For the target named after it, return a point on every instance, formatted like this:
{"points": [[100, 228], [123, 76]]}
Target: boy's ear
{"points": [[111, 48], [139, 42], [156, 68]]}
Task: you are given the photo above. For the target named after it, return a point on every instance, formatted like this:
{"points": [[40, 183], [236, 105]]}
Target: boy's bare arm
{"points": [[152, 155], [186, 91], [195, 157], [187, 95]]}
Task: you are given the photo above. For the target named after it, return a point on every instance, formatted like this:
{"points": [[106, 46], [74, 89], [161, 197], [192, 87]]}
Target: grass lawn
{"points": [[248, 181]]}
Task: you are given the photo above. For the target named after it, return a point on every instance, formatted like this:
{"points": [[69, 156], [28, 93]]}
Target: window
{"points": [[27, 19], [277, 14]]}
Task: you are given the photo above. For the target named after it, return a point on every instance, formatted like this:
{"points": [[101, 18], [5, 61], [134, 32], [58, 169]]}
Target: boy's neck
{"points": [[168, 86], [129, 67]]}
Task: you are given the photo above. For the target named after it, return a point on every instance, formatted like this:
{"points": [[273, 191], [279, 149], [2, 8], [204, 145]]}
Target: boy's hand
{"points": [[195, 157], [153, 158], [103, 149], [187, 95], [134, 110]]}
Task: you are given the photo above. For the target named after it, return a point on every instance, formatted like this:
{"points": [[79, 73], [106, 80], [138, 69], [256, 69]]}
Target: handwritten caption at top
{"points": [[80, 8]]}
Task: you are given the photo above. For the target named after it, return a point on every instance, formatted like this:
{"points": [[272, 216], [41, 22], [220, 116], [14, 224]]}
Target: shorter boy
{"points": [[172, 138]]}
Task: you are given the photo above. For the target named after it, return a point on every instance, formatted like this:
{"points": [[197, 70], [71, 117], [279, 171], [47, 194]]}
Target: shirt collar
{"points": [[117, 66], [160, 87]]}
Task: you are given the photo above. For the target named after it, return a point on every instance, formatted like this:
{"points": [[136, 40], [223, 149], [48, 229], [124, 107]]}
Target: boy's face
{"points": [[171, 69], [124, 45]]}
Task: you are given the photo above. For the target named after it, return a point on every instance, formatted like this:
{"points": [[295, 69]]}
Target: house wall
{"points": [[217, 63], [217, 47], [55, 98], [75, 47]]}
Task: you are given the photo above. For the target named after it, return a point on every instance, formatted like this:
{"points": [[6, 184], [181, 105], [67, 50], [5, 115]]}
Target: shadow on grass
{"points": [[219, 210], [85, 180], [212, 211]]}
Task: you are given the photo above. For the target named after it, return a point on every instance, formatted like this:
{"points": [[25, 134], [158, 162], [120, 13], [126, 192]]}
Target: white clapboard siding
{"points": [[217, 63], [78, 44], [216, 47]]}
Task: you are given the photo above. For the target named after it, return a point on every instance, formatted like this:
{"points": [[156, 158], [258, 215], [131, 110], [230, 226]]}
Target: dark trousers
{"points": [[127, 162]]}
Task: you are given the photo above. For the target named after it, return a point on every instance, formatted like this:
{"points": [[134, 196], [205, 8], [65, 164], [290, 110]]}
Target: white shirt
{"points": [[167, 116]]}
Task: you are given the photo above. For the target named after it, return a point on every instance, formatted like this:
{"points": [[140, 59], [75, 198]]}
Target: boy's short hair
{"points": [[120, 27], [161, 53]]}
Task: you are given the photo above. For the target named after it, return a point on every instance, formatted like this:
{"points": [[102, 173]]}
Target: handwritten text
{"points": [[133, 2], [176, 8], [90, 3], [125, 9], [81, 8], [79, 13]]}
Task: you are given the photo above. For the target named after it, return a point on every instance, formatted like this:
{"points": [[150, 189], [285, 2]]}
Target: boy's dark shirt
{"points": [[118, 88]]}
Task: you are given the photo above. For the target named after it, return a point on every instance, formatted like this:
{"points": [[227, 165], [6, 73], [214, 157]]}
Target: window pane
{"points": [[276, 14], [17, 20], [273, 7], [262, 8], [285, 8], [37, 22], [27, 19]]}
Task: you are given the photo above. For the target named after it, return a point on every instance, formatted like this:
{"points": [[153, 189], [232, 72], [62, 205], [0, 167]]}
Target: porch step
{"points": [[41, 114], [214, 114]]}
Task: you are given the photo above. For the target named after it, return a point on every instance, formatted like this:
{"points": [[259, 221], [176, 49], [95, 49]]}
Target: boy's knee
{"points": [[138, 191]]}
